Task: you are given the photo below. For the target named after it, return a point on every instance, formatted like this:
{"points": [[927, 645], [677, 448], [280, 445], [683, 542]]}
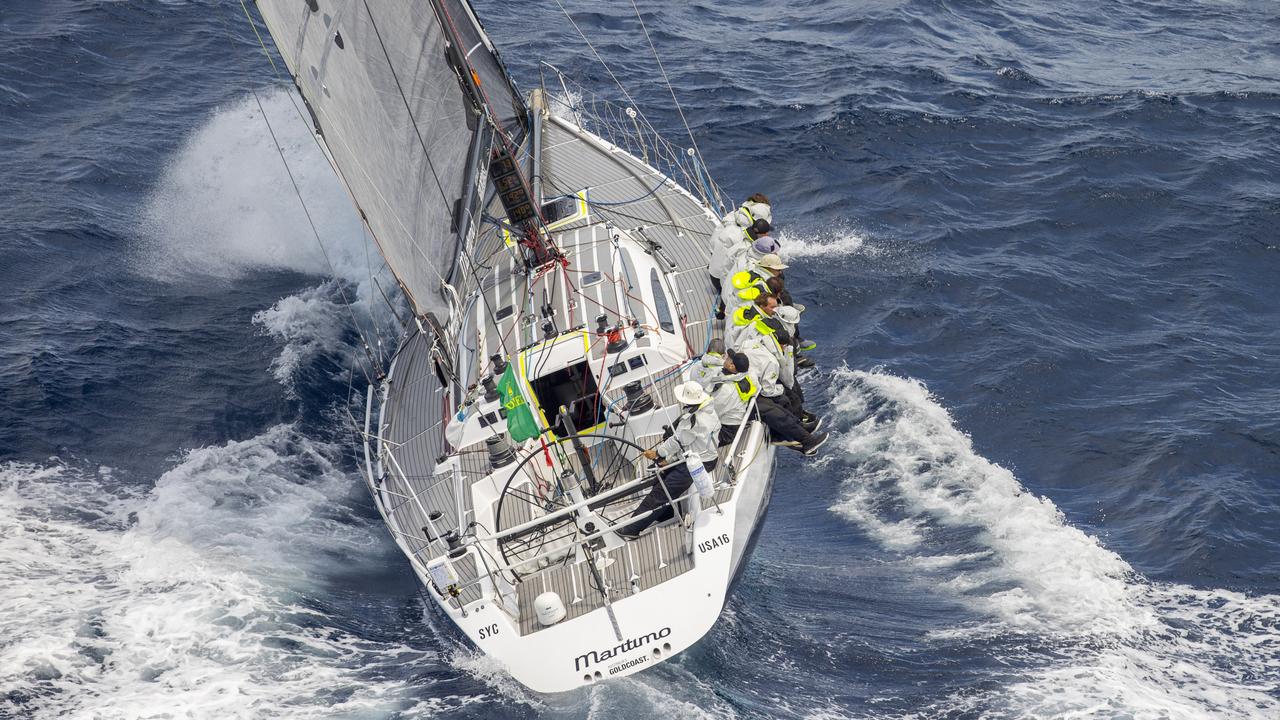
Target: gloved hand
{"points": [[667, 432]]}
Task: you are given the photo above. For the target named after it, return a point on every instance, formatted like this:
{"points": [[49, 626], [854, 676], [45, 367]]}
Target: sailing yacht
{"points": [[554, 250]]}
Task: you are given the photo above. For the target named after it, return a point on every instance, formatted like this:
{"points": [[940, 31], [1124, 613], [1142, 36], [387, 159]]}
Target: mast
{"points": [[411, 107], [505, 169]]}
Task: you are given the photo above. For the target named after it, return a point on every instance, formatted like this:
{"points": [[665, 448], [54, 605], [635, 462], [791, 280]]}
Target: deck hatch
{"points": [[573, 387]]}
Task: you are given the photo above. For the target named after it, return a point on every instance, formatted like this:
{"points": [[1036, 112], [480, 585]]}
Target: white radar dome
{"points": [[549, 608]]}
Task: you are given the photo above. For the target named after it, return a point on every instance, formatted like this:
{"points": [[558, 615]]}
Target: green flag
{"points": [[520, 423]]}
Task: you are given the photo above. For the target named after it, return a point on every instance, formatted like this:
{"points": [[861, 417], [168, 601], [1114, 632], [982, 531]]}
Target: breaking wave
{"points": [[193, 597], [225, 207], [309, 325], [1121, 645]]}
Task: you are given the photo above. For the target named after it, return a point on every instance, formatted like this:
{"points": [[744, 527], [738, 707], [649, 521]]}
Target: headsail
{"points": [[391, 88]]}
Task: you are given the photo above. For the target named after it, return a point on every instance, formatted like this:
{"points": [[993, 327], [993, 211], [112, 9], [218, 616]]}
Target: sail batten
{"points": [[400, 119]]}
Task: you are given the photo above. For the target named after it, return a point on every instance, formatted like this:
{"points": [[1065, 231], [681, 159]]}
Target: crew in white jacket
{"points": [[732, 394], [708, 369], [792, 427], [733, 239], [694, 432]]}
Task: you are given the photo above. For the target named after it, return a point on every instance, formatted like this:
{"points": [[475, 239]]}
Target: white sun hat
{"points": [[788, 314], [772, 262], [691, 393]]}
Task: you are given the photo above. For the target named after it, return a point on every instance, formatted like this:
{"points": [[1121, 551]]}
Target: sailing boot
{"points": [[815, 441]]}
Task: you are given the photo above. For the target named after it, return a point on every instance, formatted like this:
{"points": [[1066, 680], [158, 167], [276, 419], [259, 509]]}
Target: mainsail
{"points": [[406, 96]]}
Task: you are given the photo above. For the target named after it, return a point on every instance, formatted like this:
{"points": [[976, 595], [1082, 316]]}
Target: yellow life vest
{"points": [[749, 285], [750, 315], [746, 388]]}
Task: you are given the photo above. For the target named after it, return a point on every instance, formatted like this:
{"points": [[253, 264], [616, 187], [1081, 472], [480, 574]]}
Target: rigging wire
{"points": [[603, 64], [364, 340], [636, 106], [667, 80], [315, 137]]}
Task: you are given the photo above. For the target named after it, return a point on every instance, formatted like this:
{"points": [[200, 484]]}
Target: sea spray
{"points": [[225, 205]]}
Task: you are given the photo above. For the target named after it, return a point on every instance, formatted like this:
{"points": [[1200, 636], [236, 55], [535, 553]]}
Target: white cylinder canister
{"points": [[701, 478]]}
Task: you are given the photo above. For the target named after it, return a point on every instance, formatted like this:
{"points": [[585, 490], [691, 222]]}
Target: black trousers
{"points": [[677, 481], [783, 423], [727, 434], [795, 399], [715, 283]]}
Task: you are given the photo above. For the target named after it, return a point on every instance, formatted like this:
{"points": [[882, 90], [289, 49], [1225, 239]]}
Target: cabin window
{"points": [[635, 308], [575, 388], [660, 302]]}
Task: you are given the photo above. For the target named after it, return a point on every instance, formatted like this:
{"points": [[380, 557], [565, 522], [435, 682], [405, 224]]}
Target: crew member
{"points": [[707, 370], [753, 208], [789, 316], [777, 286], [752, 280], [694, 432], [737, 231], [740, 322], [783, 346], [774, 404], [732, 394]]}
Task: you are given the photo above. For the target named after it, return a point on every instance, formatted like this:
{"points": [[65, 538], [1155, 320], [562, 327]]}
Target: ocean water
{"points": [[1040, 251]]}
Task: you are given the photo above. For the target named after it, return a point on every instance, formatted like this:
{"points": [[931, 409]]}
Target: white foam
{"points": [[567, 104], [308, 324], [832, 242], [225, 205], [1132, 648], [671, 692], [188, 600]]}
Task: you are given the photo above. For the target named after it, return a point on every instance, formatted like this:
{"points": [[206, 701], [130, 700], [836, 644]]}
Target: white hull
{"points": [[656, 624]]}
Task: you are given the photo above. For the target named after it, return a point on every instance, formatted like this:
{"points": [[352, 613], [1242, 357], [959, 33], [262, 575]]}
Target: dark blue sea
{"points": [[1040, 247]]}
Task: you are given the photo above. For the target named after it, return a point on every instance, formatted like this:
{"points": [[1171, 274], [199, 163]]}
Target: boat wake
{"points": [[1102, 638], [198, 596]]}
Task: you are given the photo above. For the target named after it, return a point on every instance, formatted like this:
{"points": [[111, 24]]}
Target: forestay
{"points": [[404, 126]]}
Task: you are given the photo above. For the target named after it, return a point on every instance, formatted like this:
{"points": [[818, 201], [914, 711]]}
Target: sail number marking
{"points": [[717, 541]]}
